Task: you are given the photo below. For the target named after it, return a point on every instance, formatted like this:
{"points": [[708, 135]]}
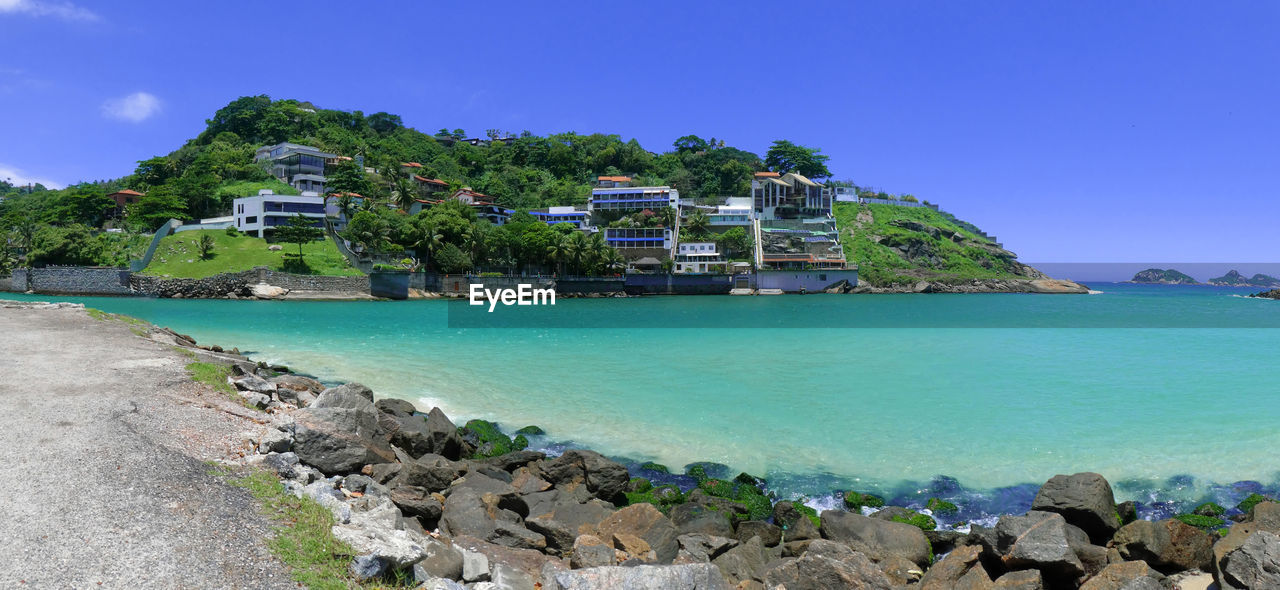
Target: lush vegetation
{"points": [[179, 256], [901, 245], [519, 171]]}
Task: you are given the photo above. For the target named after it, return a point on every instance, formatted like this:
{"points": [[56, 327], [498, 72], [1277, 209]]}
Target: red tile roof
{"points": [[614, 178], [421, 178], [356, 195], [411, 165], [768, 174], [127, 192]]}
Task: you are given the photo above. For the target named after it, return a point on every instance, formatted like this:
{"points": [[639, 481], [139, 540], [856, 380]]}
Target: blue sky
{"points": [[1074, 131]]}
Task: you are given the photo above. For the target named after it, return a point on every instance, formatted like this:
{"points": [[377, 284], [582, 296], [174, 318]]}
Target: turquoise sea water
{"points": [[921, 404]]}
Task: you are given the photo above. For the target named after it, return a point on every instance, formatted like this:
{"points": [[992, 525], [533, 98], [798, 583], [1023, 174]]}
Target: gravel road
{"points": [[102, 447]]}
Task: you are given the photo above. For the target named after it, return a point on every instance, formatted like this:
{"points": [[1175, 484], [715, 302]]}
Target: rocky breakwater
{"points": [[1272, 294], [470, 507], [228, 285]]}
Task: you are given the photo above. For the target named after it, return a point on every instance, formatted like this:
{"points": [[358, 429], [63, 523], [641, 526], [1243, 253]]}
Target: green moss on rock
{"points": [[531, 431], [1209, 509], [856, 500], [1248, 503], [920, 521], [640, 484], [718, 488], [940, 506], [651, 466], [490, 441], [1199, 521], [806, 510], [661, 497]]}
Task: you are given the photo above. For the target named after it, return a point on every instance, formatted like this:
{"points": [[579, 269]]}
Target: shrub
{"points": [[640, 485], [233, 232]]}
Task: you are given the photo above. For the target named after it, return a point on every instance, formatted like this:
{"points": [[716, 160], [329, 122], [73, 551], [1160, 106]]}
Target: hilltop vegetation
{"points": [[1235, 279], [902, 245]]}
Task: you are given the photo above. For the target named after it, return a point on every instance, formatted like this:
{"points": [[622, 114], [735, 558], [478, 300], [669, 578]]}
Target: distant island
{"points": [[1235, 279], [1158, 276]]}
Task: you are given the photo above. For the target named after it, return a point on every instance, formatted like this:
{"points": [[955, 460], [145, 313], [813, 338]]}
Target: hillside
{"points": [[918, 248], [1159, 276], [179, 257]]}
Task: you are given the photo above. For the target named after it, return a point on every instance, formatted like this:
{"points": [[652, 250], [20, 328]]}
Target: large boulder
{"points": [[1254, 564], [692, 576], [431, 472], [507, 567], [703, 548], [827, 566], [700, 519], [875, 538], [562, 524], [959, 569], [1126, 575], [644, 521], [339, 439], [418, 502], [1021, 580], [1038, 540], [770, 534], [1084, 500], [292, 382], [351, 395], [419, 435], [480, 515], [1264, 516], [592, 551], [1169, 546], [795, 525], [744, 562], [601, 477], [381, 549]]}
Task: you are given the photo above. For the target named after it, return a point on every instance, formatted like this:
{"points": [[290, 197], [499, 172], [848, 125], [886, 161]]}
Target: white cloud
{"points": [[17, 177], [55, 8], [135, 108]]}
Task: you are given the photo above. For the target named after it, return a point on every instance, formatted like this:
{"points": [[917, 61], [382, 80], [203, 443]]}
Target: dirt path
{"points": [[102, 447]]}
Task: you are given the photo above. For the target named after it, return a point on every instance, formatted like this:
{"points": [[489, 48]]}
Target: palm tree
{"points": [[613, 260], [697, 223], [404, 193], [556, 253], [597, 249], [576, 248], [347, 205]]}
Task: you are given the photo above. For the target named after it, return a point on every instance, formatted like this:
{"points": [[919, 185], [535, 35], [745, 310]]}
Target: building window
{"points": [[251, 220]]}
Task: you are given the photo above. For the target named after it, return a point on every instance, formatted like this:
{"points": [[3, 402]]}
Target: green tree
{"points": [[784, 156], [367, 230], [734, 243], [299, 230], [72, 245], [347, 177], [451, 260], [697, 224], [690, 143], [158, 206]]}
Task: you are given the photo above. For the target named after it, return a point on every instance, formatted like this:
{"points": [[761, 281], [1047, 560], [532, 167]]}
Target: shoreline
{"points": [[951, 542]]}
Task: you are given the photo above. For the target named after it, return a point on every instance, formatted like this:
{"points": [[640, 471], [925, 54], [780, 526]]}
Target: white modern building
{"points": [[553, 215], [257, 215], [735, 211], [629, 238], [789, 196], [699, 257]]}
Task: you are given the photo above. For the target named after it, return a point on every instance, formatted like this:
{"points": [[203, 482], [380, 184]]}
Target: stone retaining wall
{"points": [[77, 280], [294, 282]]}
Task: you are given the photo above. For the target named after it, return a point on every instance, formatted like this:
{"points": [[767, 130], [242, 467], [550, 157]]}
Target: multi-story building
{"points": [[631, 238], [699, 257], [789, 196], [482, 204], [299, 166], [122, 199], [554, 215], [258, 214], [735, 211], [616, 201]]}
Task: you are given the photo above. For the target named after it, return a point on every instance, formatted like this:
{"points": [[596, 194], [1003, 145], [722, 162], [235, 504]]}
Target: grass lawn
{"points": [[179, 256]]}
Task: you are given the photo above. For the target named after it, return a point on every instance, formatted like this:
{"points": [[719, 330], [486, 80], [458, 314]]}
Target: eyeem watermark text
{"points": [[523, 294]]}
